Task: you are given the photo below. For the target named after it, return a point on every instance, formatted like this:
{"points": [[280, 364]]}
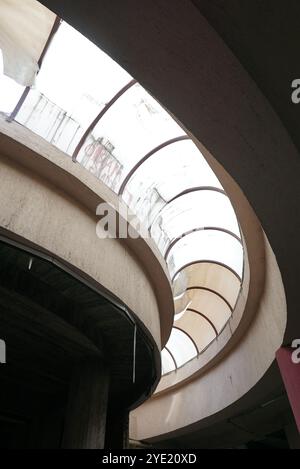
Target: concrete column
{"points": [[117, 431], [290, 373], [85, 421]]}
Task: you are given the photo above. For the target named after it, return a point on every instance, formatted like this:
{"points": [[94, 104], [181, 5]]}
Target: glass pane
{"points": [[181, 347], [191, 211], [210, 245], [76, 80], [10, 91], [167, 362], [134, 125], [212, 276], [179, 286], [176, 168], [210, 304], [198, 328], [181, 304]]}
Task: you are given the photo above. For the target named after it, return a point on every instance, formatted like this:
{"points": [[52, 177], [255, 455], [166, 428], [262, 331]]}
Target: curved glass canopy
{"points": [[210, 245], [90, 108], [171, 171], [196, 210], [133, 126]]}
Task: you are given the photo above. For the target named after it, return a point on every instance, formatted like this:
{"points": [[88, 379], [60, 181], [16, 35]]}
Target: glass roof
{"points": [[166, 174], [181, 346], [85, 82], [69, 93], [85, 104], [215, 277], [198, 328], [134, 126], [213, 306], [194, 210], [210, 245], [168, 363]]}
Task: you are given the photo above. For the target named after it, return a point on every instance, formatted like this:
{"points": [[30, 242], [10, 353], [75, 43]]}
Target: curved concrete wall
{"points": [[240, 370], [251, 290], [40, 210]]}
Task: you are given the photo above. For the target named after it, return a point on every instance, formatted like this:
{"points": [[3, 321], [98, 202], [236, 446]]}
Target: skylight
{"points": [[86, 105]]}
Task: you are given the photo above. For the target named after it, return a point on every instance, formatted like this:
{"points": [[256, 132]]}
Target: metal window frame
{"points": [[214, 292], [172, 357], [187, 191], [147, 156], [99, 117], [188, 335]]}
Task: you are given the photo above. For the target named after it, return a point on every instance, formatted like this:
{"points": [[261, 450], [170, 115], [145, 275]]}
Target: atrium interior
{"points": [[149, 228]]}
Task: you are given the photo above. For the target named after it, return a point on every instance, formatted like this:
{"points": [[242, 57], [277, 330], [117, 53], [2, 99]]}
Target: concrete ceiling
{"points": [[255, 425], [264, 36]]}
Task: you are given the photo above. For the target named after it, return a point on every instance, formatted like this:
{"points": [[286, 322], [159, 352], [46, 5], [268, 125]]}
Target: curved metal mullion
{"points": [[145, 158], [205, 228], [214, 292], [188, 335], [99, 116], [172, 356], [205, 318], [187, 191], [207, 261]]}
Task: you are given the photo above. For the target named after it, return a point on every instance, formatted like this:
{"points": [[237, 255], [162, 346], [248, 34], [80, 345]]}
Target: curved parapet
{"points": [[48, 209], [219, 391]]}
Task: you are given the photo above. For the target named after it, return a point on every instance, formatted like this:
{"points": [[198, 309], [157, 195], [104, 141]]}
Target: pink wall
{"points": [[290, 373]]}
